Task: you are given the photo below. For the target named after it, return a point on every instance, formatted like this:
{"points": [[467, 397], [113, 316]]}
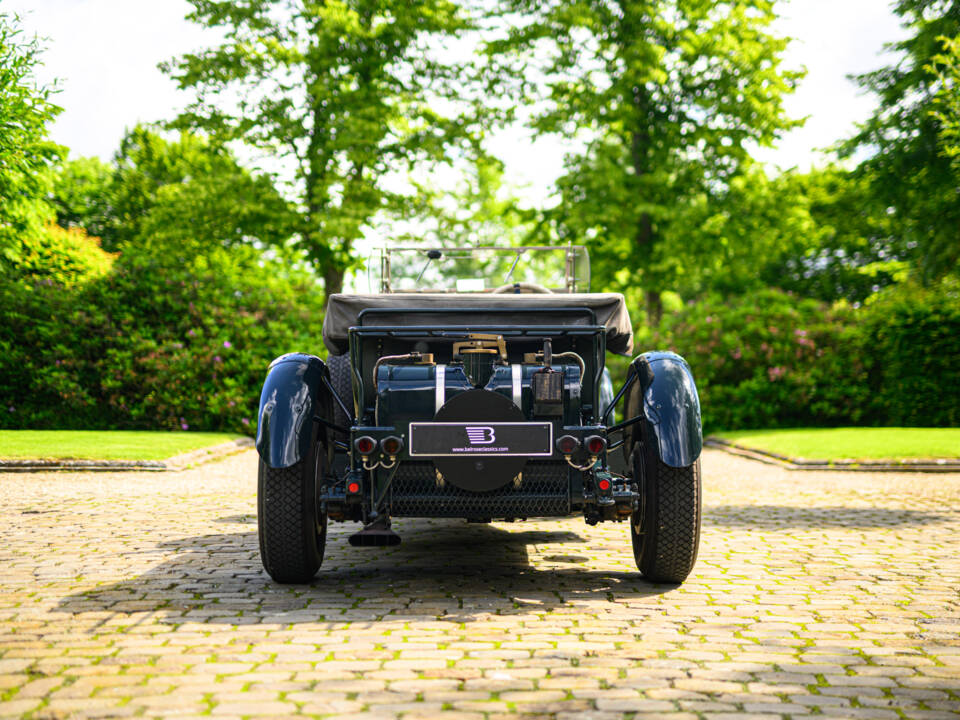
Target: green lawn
{"points": [[852, 443], [103, 444]]}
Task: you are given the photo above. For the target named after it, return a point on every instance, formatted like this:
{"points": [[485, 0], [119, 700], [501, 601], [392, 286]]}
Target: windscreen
{"points": [[481, 269]]}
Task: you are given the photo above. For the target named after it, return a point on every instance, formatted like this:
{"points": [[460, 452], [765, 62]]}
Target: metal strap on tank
{"points": [[517, 385], [441, 391]]}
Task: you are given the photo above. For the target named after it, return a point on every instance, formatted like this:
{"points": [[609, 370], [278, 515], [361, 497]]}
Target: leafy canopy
{"points": [[25, 152], [346, 92], [185, 195], [667, 95], [911, 168]]}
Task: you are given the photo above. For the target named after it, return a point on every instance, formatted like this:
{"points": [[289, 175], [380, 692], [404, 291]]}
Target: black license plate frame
{"points": [[481, 439]]}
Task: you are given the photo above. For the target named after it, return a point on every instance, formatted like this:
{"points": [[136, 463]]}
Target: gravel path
{"points": [[815, 595]]}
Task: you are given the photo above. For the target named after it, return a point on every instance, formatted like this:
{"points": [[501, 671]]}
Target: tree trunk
{"points": [[332, 282], [645, 237], [654, 308]]}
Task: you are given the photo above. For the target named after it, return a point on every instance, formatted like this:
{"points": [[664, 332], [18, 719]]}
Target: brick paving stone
{"points": [[816, 595]]}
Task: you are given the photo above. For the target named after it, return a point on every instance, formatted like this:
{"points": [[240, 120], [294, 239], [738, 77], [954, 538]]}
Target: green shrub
{"points": [[159, 343], [912, 336], [65, 257], [769, 359]]}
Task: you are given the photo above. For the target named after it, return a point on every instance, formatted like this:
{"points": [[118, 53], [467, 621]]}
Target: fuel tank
{"points": [[407, 393]]}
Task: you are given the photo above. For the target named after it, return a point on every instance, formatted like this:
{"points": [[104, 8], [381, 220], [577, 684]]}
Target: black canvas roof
{"points": [[343, 312]]}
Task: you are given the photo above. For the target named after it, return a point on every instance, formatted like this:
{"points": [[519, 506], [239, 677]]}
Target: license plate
{"points": [[530, 439]]}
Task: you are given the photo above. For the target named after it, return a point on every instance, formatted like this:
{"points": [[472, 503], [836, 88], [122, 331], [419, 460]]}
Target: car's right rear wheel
{"points": [[665, 530]]}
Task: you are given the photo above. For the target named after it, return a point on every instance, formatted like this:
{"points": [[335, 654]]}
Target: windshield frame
{"points": [[576, 265]]}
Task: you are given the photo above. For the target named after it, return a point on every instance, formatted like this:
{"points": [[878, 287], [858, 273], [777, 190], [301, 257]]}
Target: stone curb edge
{"points": [[942, 465], [171, 464]]}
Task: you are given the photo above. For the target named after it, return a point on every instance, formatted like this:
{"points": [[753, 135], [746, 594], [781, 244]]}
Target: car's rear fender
{"points": [[665, 394], [296, 390]]}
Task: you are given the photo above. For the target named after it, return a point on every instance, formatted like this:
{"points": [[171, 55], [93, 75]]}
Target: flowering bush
{"points": [[159, 343], [771, 359]]}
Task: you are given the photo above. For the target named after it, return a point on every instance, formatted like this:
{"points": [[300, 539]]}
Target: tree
{"points": [[25, 152], [910, 170], [728, 238], [668, 96], [186, 194], [947, 101], [81, 196], [480, 210], [347, 91], [848, 253]]}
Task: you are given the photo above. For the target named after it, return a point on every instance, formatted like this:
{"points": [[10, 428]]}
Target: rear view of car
{"points": [[487, 404]]}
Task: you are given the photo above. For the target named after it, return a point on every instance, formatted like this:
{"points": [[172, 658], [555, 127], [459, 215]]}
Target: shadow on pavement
{"points": [[774, 517], [444, 570]]}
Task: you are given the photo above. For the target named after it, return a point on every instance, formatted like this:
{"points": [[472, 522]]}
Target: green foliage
{"points": [[162, 342], [481, 210], [910, 169], [771, 359], [819, 234], [81, 197], [912, 336], [25, 151], [667, 95], [845, 251], [58, 256], [726, 239], [348, 91], [946, 104], [187, 195]]}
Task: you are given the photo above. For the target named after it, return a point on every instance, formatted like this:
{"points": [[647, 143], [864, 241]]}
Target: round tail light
{"points": [[353, 488], [566, 444], [604, 484], [365, 445], [595, 444], [391, 445]]}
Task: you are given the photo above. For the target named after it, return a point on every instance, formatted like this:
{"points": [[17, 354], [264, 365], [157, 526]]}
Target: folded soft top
{"points": [[343, 312]]}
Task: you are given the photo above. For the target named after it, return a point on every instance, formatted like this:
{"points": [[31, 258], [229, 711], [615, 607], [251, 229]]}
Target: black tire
{"points": [[666, 529], [341, 377], [292, 530]]}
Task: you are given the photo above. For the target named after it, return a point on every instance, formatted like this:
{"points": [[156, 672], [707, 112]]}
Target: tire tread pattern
{"points": [[341, 377], [284, 531], [667, 551]]}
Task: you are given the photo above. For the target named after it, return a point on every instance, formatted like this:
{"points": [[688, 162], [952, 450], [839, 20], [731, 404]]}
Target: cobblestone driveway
{"points": [[815, 595]]}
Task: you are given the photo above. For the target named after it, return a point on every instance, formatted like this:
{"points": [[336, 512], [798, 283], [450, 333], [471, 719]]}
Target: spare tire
{"points": [[341, 377]]}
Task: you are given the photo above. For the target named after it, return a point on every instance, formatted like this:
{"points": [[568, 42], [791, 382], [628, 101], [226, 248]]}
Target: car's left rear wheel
{"points": [[291, 526]]}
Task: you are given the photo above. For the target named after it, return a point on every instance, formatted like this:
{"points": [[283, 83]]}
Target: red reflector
{"points": [[353, 488], [604, 484], [391, 445], [595, 444], [364, 445], [566, 444]]}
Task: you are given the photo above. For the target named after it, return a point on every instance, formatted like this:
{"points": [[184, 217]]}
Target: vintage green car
{"points": [[473, 386]]}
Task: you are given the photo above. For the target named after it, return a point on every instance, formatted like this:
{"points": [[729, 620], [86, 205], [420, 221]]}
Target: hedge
{"points": [[158, 343], [771, 359]]}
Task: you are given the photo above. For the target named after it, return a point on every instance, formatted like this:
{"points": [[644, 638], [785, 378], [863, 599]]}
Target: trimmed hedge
{"points": [[159, 343], [173, 343], [770, 359], [912, 337]]}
